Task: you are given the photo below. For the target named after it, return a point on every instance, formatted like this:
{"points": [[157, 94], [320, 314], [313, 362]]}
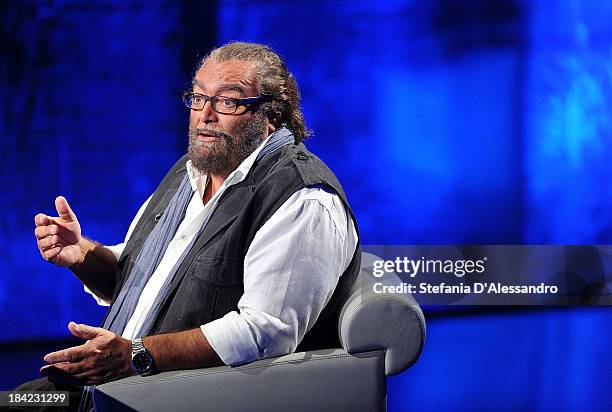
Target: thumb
{"points": [[63, 209], [83, 331]]}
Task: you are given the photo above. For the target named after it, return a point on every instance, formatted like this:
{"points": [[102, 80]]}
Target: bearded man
{"points": [[243, 252]]}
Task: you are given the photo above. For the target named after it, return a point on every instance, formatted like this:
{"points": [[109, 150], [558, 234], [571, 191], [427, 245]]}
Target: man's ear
{"points": [[273, 114], [271, 128], [271, 124]]}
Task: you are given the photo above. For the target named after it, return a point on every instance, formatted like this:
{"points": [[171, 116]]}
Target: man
{"points": [[244, 250]]}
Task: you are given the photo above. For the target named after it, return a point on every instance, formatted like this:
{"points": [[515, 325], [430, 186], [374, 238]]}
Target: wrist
{"points": [[127, 365], [84, 247]]}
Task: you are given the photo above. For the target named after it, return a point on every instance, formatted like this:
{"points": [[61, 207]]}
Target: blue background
{"points": [[482, 122]]}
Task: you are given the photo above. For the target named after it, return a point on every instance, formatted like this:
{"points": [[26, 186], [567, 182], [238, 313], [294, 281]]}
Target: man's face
{"points": [[218, 143]]}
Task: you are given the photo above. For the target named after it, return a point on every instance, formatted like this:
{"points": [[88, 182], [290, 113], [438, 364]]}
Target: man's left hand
{"points": [[103, 358]]}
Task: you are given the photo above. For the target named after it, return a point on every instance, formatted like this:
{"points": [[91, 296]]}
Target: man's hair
{"points": [[273, 79]]}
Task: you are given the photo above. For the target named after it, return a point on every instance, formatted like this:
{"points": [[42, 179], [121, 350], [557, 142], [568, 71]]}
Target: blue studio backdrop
{"points": [[475, 122]]}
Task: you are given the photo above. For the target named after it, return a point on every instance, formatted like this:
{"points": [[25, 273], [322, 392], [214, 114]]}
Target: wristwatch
{"points": [[142, 361]]}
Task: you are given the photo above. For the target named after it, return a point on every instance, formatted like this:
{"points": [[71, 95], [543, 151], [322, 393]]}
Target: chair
{"points": [[381, 335]]}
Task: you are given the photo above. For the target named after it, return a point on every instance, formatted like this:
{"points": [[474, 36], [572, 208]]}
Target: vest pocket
{"points": [[211, 288], [218, 270]]}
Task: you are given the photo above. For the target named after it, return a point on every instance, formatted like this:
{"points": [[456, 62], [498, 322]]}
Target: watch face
{"points": [[142, 362]]}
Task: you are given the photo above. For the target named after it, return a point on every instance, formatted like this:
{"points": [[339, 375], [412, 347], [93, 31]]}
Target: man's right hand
{"points": [[59, 238]]}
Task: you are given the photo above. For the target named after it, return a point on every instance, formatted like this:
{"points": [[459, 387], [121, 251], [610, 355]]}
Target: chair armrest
{"points": [[391, 322], [330, 380]]}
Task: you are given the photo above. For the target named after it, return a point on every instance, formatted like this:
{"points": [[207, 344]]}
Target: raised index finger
{"points": [[63, 209]]}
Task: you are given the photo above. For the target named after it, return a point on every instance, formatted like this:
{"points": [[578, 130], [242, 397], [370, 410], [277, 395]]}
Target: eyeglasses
{"points": [[220, 104]]}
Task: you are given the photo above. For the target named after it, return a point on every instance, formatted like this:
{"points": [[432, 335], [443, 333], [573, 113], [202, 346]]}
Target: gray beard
{"points": [[223, 156]]}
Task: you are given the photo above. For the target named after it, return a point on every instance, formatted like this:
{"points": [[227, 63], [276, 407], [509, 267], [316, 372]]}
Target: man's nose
{"points": [[207, 114]]}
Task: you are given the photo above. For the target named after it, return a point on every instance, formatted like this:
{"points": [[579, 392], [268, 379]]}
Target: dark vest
{"points": [[209, 282]]}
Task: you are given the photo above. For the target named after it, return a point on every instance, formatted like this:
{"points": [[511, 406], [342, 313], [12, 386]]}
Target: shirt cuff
{"points": [[99, 300], [116, 249], [231, 339]]}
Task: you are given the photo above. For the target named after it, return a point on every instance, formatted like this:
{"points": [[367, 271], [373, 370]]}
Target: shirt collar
{"points": [[236, 176]]}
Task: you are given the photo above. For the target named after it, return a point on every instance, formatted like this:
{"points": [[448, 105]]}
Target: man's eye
{"points": [[197, 99], [228, 102]]}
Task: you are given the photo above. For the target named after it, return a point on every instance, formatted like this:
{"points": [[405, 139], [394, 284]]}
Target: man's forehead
{"points": [[214, 73]]}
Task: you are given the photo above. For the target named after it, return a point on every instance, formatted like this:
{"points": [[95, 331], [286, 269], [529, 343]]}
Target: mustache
{"points": [[193, 133]]}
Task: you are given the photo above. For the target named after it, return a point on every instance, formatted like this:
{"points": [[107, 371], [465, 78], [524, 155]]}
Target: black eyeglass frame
{"points": [[239, 101]]}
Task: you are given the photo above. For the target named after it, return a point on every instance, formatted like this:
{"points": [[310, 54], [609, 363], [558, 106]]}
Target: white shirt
{"points": [[290, 270]]}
